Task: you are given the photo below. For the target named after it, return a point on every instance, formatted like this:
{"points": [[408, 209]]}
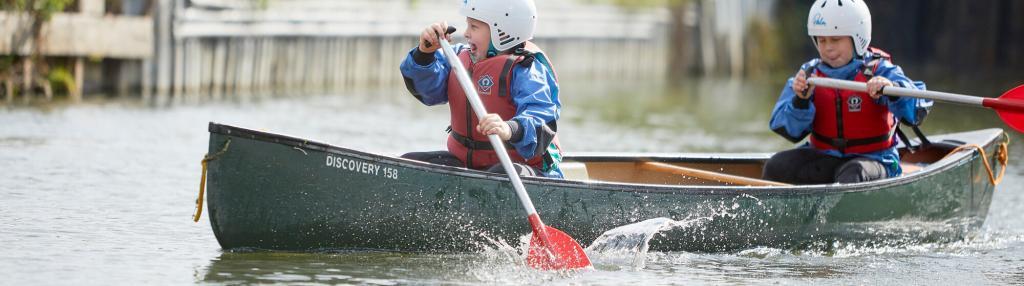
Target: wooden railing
{"points": [[233, 46]]}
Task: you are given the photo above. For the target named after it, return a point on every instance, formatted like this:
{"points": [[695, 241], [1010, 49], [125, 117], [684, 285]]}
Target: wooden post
{"points": [[234, 54], [337, 64], [207, 49], [315, 70], [220, 67], [47, 88], [193, 76], [329, 54], [178, 76], [254, 74], [266, 62], [345, 64], [308, 69], [386, 56], [167, 51], [248, 59], [680, 57], [147, 80], [264, 65], [362, 44], [92, 8], [707, 37], [9, 88], [302, 64], [26, 78], [76, 94]]}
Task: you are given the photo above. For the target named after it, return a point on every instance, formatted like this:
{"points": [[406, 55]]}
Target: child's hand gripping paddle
{"points": [[1009, 106]]}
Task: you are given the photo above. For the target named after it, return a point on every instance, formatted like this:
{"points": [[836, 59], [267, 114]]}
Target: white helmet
{"points": [[841, 18], [511, 21]]}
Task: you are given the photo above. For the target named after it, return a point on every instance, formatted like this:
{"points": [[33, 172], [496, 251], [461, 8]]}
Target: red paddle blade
{"points": [[1010, 107], [552, 249]]}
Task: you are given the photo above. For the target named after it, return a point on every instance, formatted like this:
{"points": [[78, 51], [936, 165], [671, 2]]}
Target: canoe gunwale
{"points": [[936, 168]]}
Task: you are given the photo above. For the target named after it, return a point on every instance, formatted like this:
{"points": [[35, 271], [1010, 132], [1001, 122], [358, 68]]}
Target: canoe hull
{"points": [[275, 192]]}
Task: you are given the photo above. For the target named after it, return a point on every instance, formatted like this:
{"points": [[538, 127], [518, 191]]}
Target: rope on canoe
{"points": [[1001, 156], [202, 180]]}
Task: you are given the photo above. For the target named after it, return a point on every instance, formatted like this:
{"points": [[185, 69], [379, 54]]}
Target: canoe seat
{"points": [[574, 171], [910, 167]]}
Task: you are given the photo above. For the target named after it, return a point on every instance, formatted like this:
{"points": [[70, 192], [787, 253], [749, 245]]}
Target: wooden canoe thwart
{"points": [[707, 175], [269, 191]]}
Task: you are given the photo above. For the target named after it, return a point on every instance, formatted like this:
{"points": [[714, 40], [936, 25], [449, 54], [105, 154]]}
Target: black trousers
{"points": [[447, 159], [810, 166]]}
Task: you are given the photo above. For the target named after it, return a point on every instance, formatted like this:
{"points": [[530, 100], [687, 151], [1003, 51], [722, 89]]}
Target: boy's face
{"points": [[836, 51], [478, 34]]}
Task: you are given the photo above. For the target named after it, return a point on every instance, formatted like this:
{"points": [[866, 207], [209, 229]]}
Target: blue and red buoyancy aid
{"points": [[493, 82], [852, 122]]}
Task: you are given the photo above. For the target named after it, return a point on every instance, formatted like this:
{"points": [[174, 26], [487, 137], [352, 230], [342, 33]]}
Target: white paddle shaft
{"points": [[897, 91]]}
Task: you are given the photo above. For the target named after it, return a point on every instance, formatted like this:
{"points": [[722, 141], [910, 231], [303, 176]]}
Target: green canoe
{"points": [[268, 191]]}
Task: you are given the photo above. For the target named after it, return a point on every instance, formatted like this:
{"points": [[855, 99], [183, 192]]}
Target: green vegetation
{"points": [[37, 12], [42, 9], [61, 78]]}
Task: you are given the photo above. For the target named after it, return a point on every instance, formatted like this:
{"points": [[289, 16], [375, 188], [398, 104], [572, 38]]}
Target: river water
{"points": [[102, 192]]}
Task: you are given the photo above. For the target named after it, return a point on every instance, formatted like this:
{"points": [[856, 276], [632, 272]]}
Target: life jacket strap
{"points": [[506, 71], [842, 143], [474, 144]]}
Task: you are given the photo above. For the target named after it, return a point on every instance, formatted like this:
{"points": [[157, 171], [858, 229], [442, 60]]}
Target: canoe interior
{"points": [[629, 169]]}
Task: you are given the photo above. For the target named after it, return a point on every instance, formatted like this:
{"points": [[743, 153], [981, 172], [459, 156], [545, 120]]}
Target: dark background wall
{"points": [[947, 40]]}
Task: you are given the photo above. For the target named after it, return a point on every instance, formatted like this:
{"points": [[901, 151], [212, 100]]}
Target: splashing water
{"points": [[628, 244], [504, 262]]}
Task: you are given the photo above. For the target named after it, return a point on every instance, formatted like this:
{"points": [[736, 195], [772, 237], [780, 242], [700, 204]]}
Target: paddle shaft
{"points": [[478, 108], [994, 103]]}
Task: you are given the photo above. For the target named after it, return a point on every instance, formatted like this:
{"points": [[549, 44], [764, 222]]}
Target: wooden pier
{"points": [[302, 46], [184, 50], [78, 36]]}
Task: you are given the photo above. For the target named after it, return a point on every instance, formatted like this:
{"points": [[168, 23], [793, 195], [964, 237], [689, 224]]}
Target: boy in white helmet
{"points": [[852, 134], [515, 81]]}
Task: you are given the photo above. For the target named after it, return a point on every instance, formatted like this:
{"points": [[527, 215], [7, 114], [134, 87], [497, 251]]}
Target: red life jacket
{"points": [[852, 122], [493, 81]]}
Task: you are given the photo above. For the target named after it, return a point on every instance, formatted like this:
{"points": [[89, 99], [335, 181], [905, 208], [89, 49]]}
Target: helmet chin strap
{"points": [[491, 50]]}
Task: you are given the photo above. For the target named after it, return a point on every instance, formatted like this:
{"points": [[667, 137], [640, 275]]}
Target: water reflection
{"points": [[276, 267], [373, 267], [385, 268]]}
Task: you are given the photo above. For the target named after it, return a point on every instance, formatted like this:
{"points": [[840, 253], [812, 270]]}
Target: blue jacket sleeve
{"points": [[428, 83], [788, 119], [908, 109], [535, 94]]}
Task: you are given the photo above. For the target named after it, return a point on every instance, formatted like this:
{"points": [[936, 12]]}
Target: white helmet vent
{"points": [[504, 38], [840, 3]]}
